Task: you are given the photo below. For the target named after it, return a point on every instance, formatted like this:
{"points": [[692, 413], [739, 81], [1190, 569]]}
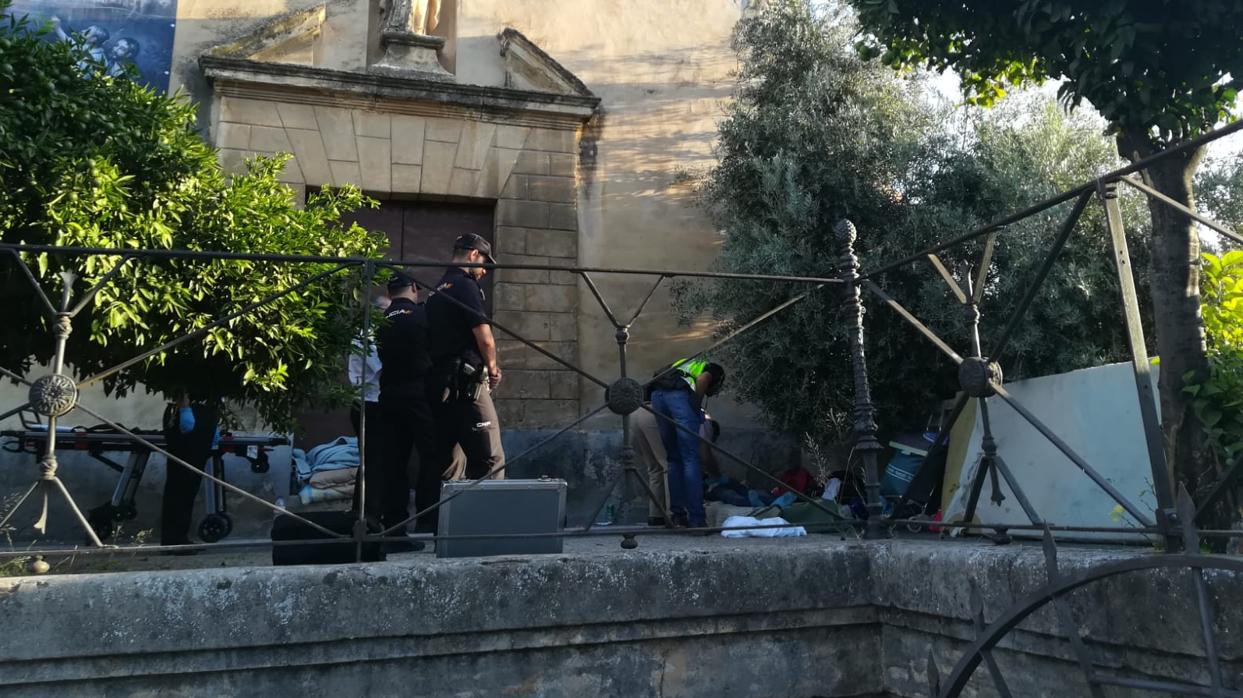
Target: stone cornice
{"points": [[517, 47], [308, 85], [273, 33]]}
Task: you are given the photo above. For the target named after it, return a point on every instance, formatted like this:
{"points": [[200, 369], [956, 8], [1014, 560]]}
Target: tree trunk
{"points": [[1175, 288]]}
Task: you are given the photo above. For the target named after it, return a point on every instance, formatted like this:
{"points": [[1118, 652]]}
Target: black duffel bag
{"points": [[286, 528]]}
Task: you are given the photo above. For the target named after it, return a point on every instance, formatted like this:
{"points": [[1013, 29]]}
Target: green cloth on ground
{"points": [[815, 519]]}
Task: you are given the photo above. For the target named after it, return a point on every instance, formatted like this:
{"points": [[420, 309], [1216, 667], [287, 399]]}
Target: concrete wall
{"points": [[572, 625], [675, 618]]}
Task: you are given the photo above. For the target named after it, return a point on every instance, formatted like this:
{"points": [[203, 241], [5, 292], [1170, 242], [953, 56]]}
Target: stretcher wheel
{"points": [[915, 527], [214, 527]]}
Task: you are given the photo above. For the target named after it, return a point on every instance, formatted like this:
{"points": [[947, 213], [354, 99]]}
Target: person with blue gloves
{"points": [[191, 433]]}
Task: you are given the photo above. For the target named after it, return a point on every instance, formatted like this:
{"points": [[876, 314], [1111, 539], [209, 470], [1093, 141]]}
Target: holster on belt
{"points": [[464, 381]]}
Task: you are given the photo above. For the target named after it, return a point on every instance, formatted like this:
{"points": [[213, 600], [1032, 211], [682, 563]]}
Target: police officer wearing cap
{"points": [[464, 369], [406, 422]]}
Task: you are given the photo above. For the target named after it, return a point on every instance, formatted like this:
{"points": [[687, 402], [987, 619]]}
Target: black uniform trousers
{"points": [[181, 488], [181, 484], [406, 429], [473, 425]]}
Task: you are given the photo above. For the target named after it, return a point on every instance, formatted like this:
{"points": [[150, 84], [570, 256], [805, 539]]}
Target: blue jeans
{"points": [[686, 495]]}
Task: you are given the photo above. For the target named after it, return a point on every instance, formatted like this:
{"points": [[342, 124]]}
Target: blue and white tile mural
{"points": [[115, 33]]}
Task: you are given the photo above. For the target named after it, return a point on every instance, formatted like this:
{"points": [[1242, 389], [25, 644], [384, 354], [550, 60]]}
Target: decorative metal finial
{"points": [[845, 231]]}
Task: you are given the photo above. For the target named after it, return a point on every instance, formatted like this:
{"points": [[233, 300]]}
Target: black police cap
{"points": [[471, 241]]}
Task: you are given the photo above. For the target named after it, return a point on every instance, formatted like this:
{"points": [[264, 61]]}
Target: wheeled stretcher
{"points": [[99, 442]]}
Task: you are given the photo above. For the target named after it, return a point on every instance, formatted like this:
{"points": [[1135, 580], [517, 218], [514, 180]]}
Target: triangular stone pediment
{"points": [[528, 67], [290, 38]]}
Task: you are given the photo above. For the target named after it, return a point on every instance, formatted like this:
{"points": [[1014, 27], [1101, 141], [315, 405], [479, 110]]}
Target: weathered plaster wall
{"points": [[662, 71], [662, 76]]}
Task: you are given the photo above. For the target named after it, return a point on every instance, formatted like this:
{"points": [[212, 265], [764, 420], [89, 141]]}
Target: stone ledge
{"points": [[679, 616], [138, 613], [308, 85], [517, 48]]}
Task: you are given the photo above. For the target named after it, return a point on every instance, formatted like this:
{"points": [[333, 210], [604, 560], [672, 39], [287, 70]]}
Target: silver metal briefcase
{"points": [[505, 507]]}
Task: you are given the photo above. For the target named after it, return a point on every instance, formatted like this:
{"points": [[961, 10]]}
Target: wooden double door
{"points": [[419, 231], [424, 231]]}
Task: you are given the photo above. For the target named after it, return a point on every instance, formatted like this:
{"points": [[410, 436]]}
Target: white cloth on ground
{"points": [[741, 522]]}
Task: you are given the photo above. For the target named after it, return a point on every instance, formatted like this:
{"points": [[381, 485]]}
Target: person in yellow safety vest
{"points": [[678, 396]]}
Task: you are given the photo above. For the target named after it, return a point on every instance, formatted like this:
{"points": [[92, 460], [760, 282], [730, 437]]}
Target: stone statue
{"points": [[425, 16], [415, 16], [410, 49]]}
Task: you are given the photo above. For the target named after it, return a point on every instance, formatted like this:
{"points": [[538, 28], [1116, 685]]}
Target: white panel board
{"points": [[1096, 412]]}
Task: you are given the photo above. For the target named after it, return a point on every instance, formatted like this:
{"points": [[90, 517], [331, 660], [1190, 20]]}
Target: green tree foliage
{"points": [[1219, 188], [1218, 401], [1156, 67], [1158, 71], [89, 160], [817, 134]]}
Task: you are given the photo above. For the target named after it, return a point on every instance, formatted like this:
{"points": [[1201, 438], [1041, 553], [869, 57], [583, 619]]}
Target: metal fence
{"points": [[55, 395]]}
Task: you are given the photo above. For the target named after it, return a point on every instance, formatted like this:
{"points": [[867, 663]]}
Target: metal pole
{"points": [[627, 453], [1167, 513], [866, 444], [360, 525]]}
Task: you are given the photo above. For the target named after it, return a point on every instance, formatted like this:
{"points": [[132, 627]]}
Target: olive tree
{"points": [[1158, 71], [817, 134]]}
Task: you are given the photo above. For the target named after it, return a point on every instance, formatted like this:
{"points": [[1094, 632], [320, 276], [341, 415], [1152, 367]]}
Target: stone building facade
{"points": [[579, 141], [569, 132]]}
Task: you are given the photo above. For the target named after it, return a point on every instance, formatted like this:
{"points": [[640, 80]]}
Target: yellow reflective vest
{"points": [[690, 370]]}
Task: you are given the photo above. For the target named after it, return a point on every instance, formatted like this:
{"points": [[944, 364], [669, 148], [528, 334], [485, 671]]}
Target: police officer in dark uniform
{"points": [[405, 418], [191, 433], [464, 368]]}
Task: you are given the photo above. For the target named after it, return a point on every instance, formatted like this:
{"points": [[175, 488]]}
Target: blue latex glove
{"points": [[185, 420]]}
